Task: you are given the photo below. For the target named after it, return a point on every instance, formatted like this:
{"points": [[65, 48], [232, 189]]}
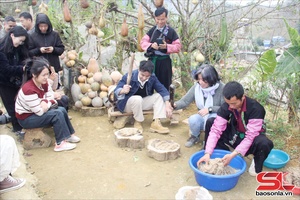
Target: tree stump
{"points": [[162, 150], [36, 138], [129, 137]]}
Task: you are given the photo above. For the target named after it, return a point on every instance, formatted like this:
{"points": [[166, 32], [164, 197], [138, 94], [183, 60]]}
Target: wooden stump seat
{"points": [[36, 138]]}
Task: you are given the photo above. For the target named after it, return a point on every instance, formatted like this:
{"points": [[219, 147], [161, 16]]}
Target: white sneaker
{"points": [[64, 146], [251, 169], [73, 139]]}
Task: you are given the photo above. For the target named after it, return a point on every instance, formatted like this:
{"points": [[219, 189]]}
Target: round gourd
{"points": [[103, 87], [103, 94], [84, 71], [106, 79], [95, 86], [70, 63], [85, 87], [90, 80], [97, 77], [200, 57], [86, 101], [92, 94], [71, 56], [81, 79], [78, 104], [116, 76], [90, 74], [158, 3], [97, 102]]}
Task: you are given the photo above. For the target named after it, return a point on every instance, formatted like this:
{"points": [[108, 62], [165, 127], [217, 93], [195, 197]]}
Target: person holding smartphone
{"points": [[46, 42], [159, 42]]}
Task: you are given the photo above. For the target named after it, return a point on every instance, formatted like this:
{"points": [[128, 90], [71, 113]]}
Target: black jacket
{"points": [[50, 38]]}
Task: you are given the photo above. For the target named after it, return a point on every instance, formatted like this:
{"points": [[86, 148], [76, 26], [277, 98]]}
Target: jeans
{"points": [[64, 102], [197, 123], [58, 118]]}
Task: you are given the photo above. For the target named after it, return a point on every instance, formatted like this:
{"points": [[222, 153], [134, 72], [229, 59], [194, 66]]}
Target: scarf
{"points": [[201, 93]]}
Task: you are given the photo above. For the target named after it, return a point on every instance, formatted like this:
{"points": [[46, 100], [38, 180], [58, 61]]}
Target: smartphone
{"points": [[159, 41]]}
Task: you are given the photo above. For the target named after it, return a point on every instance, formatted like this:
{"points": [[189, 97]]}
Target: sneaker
{"points": [[73, 139], [251, 169], [192, 141], [64, 146], [20, 133], [10, 183]]}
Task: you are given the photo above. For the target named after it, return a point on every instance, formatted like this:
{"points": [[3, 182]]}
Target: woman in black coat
{"points": [[13, 51]]}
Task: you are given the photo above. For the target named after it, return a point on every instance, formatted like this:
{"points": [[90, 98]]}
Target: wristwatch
{"points": [[210, 110]]}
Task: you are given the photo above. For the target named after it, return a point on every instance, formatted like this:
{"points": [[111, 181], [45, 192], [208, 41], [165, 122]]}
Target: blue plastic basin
{"points": [[276, 159], [218, 183]]}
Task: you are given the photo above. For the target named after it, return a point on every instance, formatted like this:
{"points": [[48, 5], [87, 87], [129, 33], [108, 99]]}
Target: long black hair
{"points": [[7, 46]]}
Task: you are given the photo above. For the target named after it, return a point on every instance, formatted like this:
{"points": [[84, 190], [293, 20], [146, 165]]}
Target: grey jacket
{"points": [[189, 97]]}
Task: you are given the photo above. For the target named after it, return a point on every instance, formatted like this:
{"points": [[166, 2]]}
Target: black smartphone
{"points": [[159, 41]]}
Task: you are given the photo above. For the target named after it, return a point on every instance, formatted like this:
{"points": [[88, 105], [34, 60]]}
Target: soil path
{"points": [[98, 169]]}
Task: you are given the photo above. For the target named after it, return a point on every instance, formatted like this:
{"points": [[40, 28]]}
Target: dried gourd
{"points": [[140, 36], [33, 2], [93, 30], [97, 102], [106, 79], [93, 66], [75, 90], [158, 3], [97, 76], [43, 8], [86, 101], [102, 22], [66, 11], [141, 20], [124, 28], [84, 4]]}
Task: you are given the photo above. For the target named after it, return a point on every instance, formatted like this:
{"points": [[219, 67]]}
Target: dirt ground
{"points": [[98, 169]]}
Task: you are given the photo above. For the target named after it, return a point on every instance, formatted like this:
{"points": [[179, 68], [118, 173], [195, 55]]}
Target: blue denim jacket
{"points": [[152, 84]]}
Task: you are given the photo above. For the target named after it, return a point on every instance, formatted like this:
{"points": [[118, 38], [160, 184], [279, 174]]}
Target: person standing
{"points": [[37, 108], [239, 124], [46, 42], [207, 94], [159, 42], [27, 22], [9, 163], [8, 24], [139, 95], [13, 52]]}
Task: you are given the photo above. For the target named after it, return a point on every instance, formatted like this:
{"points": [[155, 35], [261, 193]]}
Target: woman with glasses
{"points": [[207, 94], [13, 51]]}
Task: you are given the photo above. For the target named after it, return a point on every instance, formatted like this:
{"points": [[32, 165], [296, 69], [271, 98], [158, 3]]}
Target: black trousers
{"points": [[8, 96], [163, 71], [260, 147]]}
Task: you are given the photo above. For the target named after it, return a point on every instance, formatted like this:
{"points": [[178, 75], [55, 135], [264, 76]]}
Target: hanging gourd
{"points": [[195, 2], [93, 30], [124, 28], [141, 22], [158, 3], [102, 22], [66, 11], [140, 36], [84, 4], [33, 2], [43, 8]]}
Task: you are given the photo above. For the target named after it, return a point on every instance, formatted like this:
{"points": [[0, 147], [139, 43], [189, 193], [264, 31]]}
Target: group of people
{"points": [[228, 117]]}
